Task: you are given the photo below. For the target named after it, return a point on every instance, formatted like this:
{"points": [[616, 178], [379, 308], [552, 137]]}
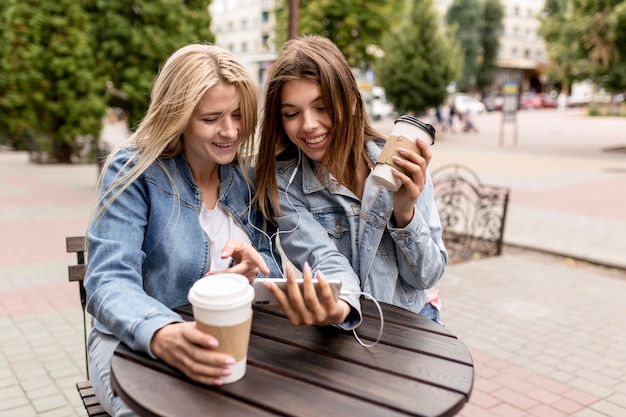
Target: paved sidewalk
{"points": [[546, 332]]}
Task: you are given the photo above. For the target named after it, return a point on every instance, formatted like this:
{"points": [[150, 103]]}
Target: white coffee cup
{"points": [[222, 307], [406, 130]]}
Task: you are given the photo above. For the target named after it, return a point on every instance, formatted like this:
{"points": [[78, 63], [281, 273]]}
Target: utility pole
{"points": [[293, 18]]}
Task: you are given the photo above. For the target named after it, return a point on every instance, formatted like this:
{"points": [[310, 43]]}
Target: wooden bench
{"points": [[76, 273], [472, 214]]}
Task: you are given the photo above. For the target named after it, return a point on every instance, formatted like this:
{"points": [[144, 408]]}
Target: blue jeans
{"points": [[431, 312], [100, 347]]}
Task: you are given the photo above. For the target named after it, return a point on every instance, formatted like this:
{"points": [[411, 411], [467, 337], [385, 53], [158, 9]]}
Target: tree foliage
{"points": [[586, 39], [465, 18], [355, 26], [64, 61], [493, 13], [420, 59], [133, 37], [50, 92]]}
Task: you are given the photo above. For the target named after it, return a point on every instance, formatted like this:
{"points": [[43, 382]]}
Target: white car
{"points": [[465, 103]]}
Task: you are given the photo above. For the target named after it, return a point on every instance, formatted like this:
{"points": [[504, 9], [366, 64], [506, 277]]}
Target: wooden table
{"points": [[417, 369]]}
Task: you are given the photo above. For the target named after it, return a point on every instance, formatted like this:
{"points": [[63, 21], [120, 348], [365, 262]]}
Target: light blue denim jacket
{"points": [[148, 247], [346, 238]]}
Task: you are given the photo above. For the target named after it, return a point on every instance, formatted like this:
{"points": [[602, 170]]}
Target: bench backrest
{"points": [[472, 214], [76, 273]]}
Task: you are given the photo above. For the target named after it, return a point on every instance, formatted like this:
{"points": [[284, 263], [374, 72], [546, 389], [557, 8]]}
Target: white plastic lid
{"points": [[221, 292]]}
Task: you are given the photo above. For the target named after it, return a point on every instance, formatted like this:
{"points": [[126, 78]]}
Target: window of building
{"points": [[265, 17], [244, 46], [265, 42]]}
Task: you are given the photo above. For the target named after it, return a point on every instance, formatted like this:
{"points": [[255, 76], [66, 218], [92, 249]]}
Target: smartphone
{"points": [[264, 297]]}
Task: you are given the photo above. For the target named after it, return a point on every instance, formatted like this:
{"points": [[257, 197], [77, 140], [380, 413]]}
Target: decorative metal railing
{"points": [[472, 214]]}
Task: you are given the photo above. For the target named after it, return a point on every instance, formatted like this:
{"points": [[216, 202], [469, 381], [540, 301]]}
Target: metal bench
{"points": [[472, 214], [76, 273]]}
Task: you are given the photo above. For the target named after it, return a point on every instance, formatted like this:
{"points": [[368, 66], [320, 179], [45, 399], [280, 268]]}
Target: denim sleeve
{"points": [[115, 293], [303, 239], [422, 256]]}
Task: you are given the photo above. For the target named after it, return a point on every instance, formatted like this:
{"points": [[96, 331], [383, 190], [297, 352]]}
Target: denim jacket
{"points": [[347, 238], [148, 247]]}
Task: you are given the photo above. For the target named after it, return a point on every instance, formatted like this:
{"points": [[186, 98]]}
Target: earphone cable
{"points": [[382, 320]]}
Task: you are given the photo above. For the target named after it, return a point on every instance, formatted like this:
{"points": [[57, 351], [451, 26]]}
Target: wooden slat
{"points": [[75, 243], [424, 342], [197, 398], [406, 317], [397, 392], [76, 272], [83, 384], [448, 373], [90, 401]]}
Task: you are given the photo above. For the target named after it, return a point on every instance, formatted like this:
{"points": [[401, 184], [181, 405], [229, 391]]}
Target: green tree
{"points": [[133, 37], [420, 59], [355, 26], [586, 39], [465, 19], [50, 94], [493, 12], [63, 62]]}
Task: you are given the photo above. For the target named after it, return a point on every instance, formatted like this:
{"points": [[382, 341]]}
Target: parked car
{"points": [[493, 102], [530, 100], [381, 108], [549, 100], [465, 103]]}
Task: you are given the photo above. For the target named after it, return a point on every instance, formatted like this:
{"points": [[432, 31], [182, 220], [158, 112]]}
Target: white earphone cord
{"points": [[278, 232], [382, 320]]}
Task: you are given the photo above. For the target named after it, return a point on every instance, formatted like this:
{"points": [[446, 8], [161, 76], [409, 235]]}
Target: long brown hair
{"points": [[315, 58]]}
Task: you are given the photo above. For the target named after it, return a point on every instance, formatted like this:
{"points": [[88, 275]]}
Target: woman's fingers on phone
{"points": [[280, 296], [325, 290], [308, 289]]}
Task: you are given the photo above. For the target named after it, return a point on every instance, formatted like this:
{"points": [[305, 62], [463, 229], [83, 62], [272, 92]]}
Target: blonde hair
{"points": [[318, 59], [178, 87]]}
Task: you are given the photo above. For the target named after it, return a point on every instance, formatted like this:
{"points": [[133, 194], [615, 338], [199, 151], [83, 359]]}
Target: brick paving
{"points": [[545, 331]]}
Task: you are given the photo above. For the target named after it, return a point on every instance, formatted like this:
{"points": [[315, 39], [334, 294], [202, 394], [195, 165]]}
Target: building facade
{"points": [[522, 57], [246, 28]]}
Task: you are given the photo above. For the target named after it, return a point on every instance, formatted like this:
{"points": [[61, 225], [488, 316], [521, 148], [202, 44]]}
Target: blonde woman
{"points": [[173, 206]]}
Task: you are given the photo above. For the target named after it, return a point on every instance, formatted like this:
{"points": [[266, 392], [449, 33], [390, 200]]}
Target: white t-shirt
{"points": [[220, 228]]}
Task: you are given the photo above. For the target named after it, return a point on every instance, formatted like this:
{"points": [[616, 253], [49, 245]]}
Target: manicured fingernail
{"points": [[213, 343], [226, 371], [217, 381], [402, 150], [229, 361]]}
